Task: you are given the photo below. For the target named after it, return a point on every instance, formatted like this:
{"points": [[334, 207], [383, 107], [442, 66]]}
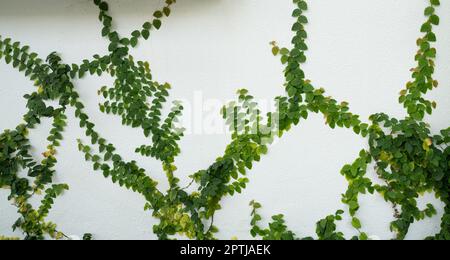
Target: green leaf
{"points": [[158, 14], [136, 34], [104, 6], [133, 42], [429, 11], [435, 2], [116, 158], [426, 27], [145, 34], [157, 23], [303, 5], [434, 19], [356, 223], [166, 11], [147, 26]]}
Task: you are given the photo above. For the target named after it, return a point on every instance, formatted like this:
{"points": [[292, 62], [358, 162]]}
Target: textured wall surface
{"points": [[360, 51]]}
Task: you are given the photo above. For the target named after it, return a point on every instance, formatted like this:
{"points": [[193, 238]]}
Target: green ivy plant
{"points": [[406, 157]]}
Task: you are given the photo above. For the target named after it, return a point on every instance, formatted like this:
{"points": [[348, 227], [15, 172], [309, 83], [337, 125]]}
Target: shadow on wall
{"points": [[58, 8]]}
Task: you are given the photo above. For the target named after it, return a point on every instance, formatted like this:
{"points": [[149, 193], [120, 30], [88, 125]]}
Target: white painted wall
{"points": [[360, 51]]}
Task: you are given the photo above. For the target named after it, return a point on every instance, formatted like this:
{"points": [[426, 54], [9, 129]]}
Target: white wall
{"points": [[360, 51]]}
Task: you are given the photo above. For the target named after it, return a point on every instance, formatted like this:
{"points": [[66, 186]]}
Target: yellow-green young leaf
{"points": [[356, 223], [275, 50]]}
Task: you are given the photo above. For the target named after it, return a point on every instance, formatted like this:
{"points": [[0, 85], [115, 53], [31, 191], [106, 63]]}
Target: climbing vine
{"points": [[405, 155]]}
